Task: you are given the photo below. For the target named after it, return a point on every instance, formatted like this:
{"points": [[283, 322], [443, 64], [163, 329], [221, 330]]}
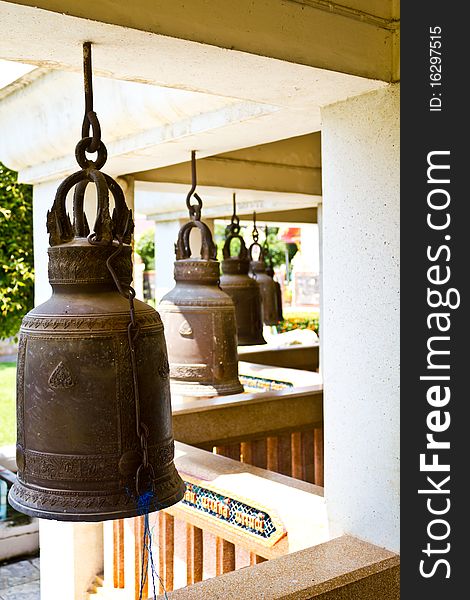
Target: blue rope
{"points": [[144, 506]]}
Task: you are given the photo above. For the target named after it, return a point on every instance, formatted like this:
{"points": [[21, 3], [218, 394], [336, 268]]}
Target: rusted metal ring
{"points": [[86, 163], [138, 475], [96, 142], [261, 252], [208, 248], [195, 209], [243, 252], [91, 239]]}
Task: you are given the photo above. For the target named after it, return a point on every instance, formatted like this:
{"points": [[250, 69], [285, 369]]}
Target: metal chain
{"points": [[125, 290], [194, 209], [133, 330]]}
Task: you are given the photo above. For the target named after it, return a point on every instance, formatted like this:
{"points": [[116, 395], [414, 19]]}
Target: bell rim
{"points": [[258, 342], [206, 390], [91, 517]]}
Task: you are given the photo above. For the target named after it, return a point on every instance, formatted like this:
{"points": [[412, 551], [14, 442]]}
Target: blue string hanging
{"points": [[146, 504]]}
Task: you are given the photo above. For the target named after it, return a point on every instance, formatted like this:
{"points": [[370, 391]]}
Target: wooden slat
{"points": [[166, 539], [318, 455], [296, 455], [284, 454], [246, 453], [308, 456], [230, 451], [259, 453], [256, 559], [194, 554], [272, 454], [141, 560], [225, 556], [118, 553]]}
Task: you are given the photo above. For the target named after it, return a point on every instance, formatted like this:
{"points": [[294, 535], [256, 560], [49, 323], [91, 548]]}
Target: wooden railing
{"points": [[190, 545], [281, 431]]}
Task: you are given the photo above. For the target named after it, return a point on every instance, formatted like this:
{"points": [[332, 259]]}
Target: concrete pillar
{"points": [[43, 198], [360, 318], [166, 234], [71, 557]]}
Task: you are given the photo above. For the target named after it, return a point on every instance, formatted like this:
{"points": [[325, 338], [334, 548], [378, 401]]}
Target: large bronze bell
{"points": [[93, 396], [199, 320], [244, 291]]}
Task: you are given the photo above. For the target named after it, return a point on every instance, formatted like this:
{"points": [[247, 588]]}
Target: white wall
{"points": [[360, 322]]}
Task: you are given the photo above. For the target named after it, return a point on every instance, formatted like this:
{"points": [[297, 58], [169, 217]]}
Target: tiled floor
{"points": [[20, 580]]}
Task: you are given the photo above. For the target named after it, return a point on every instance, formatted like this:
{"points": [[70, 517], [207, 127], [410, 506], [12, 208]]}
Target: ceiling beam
{"points": [[355, 37], [289, 166]]}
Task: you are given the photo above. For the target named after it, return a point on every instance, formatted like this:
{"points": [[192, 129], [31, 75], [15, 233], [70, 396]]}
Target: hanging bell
{"points": [[270, 272], [267, 288], [199, 318], [93, 397], [278, 301], [244, 291]]}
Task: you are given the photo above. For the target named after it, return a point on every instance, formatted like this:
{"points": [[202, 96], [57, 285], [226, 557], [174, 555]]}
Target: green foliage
{"points": [[16, 251], [7, 403], [145, 248], [277, 248], [220, 234]]}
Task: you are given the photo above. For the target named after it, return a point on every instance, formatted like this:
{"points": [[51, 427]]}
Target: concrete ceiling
{"points": [[289, 60], [359, 37]]}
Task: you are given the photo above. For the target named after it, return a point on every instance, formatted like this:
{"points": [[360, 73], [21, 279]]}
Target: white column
{"points": [[166, 234], [71, 557], [43, 198], [360, 318]]}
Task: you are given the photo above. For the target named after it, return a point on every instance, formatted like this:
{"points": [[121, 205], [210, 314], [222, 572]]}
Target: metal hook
{"points": [[194, 209], [255, 234], [235, 221], [90, 119]]}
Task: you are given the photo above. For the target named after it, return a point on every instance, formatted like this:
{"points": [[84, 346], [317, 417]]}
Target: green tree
{"points": [[16, 251], [145, 248], [277, 248]]}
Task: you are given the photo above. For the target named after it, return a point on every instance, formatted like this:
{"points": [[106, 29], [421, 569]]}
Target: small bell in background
{"points": [[270, 272], [93, 396], [199, 317], [266, 283], [243, 290]]}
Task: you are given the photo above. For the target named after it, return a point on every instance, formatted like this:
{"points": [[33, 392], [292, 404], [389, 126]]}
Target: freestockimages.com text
{"points": [[442, 299]]}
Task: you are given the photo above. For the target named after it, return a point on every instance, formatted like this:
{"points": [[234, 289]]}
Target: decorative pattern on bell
{"points": [[266, 283], [93, 397], [244, 291], [199, 317]]}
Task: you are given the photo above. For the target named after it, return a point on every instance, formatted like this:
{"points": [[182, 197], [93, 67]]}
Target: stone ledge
{"points": [[342, 569]]}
